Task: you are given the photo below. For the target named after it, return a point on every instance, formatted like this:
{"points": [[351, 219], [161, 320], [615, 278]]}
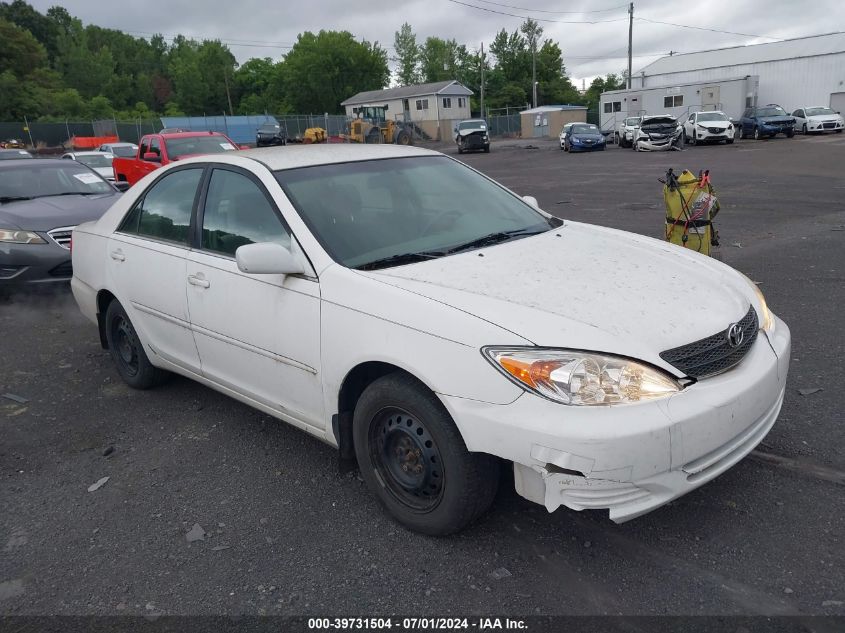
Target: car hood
{"points": [[777, 118], [589, 288], [719, 124], [824, 117], [472, 130], [589, 136], [45, 214]]}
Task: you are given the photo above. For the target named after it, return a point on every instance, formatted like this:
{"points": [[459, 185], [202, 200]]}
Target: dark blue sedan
{"points": [[765, 122], [583, 137]]}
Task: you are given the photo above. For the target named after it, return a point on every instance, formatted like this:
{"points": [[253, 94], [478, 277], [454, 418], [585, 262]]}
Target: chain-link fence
{"points": [[505, 125], [44, 135]]}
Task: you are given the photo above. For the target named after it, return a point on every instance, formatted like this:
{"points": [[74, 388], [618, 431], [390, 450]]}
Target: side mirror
{"points": [[243, 146], [121, 185], [152, 157], [531, 200], [267, 258]]}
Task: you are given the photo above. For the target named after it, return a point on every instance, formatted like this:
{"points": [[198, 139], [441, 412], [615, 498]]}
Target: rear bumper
{"points": [[632, 459]]}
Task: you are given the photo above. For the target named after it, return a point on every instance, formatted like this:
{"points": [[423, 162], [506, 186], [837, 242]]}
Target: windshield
{"points": [[366, 211], [177, 147], [818, 111], [124, 151], [634, 120], [28, 180], [711, 116], [269, 127], [585, 129], [95, 160], [772, 111], [472, 125], [14, 154]]}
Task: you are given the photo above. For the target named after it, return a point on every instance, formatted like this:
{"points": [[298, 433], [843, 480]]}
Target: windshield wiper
{"points": [[13, 198], [495, 238], [70, 193], [401, 258]]}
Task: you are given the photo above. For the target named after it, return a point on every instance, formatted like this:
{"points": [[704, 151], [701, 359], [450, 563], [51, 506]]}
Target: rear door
{"points": [[147, 265], [256, 334]]}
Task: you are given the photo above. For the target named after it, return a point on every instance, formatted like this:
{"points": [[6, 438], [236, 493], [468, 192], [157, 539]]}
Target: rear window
{"points": [[178, 147]]}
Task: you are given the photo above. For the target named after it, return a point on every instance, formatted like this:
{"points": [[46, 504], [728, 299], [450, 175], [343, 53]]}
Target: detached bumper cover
{"points": [[633, 459]]}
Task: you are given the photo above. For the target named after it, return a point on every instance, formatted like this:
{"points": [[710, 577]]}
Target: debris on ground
{"points": [[196, 533], [98, 484], [498, 574], [810, 391], [832, 603], [220, 548], [15, 398], [108, 451], [737, 244]]}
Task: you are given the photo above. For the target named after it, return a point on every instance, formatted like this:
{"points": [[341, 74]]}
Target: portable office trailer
{"points": [[731, 96]]}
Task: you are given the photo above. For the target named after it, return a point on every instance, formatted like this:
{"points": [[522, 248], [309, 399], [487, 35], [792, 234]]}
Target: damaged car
{"points": [[658, 133], [435, 327], [472, 135]]}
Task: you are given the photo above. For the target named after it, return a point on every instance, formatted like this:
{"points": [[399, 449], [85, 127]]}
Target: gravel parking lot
{"points": [[286, 534]]}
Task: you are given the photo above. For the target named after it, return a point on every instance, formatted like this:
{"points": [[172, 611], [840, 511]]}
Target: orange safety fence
{"points": [[91, 142]]}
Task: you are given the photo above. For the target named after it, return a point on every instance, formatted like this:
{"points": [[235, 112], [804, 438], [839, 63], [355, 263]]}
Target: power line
{"points": [[525, 17], [507, 6], [702, 28]]}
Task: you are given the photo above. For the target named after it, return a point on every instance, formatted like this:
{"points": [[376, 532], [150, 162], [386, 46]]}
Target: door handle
{"points": [[198, 281], [117, 256]]}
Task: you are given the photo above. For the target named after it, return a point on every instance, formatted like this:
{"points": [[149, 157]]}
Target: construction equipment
{"points": [[372, 126], [691, 206], [314, 135]]}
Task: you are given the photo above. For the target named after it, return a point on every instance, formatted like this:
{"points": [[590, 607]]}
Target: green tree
{"points": [[322, 70], [407, 55], [87, 70], [20, 52], [42, 28], [441, 59]]}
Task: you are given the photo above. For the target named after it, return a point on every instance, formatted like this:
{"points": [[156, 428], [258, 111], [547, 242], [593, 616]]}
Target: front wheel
{"points": [[460, 150], [804, 129], [127, 351], [756, 133], [413, 458], [790, 134]]}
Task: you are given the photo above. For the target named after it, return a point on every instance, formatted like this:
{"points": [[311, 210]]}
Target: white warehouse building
{"points": [[805, 71]]}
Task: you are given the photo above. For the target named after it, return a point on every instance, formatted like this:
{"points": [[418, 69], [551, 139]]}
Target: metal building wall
{"points": [[790, 83]]}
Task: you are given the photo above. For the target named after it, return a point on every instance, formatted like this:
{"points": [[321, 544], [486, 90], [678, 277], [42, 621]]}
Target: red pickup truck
{"points": [[156, 150]]}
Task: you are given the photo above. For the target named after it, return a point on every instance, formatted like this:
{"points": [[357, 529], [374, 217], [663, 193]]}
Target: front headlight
{"points": [[14, 236], [581, 378], [767, 320]]}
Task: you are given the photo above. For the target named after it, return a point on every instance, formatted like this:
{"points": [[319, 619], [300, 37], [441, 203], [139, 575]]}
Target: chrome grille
{"points": [[61, 236], [714, 354]]}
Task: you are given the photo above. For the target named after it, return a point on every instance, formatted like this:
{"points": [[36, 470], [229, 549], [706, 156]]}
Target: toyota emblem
{"points": [[735, 335]]}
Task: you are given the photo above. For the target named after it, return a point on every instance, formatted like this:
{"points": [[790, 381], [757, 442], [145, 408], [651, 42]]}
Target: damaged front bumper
{"points": [[633, 459]]}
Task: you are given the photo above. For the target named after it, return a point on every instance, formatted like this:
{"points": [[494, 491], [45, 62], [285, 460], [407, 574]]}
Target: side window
{"points": [[237, 213], [798, 113], [165, 210], [155, 145], [145, 146], [691, 118]]}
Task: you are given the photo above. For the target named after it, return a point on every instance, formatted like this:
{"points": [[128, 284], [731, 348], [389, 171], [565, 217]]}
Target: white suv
{"points": [[711, 126], [624, 135]]}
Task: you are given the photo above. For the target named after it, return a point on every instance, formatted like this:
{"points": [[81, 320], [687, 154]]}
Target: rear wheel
{"points": [[127, 351], [413, 458]]}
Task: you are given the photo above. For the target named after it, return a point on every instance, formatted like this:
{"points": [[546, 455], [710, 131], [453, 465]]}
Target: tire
{"points": [[804, 129], [757, 134], [616, 138], [790, 134], [413, 458], [729, 141], [739, 133], [486, 149], [839, 131], [127, 351], [403, 138], [460, 150]]}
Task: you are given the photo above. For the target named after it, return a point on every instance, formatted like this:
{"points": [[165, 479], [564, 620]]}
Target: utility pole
{"points": [[482, 82], [228, 96], [630, 39], [534, 71]]}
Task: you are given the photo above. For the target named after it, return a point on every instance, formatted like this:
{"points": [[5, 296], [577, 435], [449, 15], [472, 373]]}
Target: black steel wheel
{"points": [[413, 458], [406, 458], [127, 351]]}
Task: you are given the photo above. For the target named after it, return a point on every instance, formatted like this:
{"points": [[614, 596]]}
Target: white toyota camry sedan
{"points": [[435, 327]]}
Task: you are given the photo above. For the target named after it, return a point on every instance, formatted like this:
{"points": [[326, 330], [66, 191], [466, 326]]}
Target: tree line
{"points": [[52, 67]]}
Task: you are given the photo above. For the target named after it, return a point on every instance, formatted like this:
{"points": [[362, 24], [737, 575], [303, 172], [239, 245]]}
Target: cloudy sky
{"points": [[593, 35]]}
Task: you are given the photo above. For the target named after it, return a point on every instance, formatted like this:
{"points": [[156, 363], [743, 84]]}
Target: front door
{"points": [[711, 98], [147, 265], [256, 334]]}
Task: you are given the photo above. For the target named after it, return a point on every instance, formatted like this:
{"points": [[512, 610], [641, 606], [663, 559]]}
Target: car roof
{"points": [[88, 153], [291, 157], [35, 162], [168, 135], [119, 144]]}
